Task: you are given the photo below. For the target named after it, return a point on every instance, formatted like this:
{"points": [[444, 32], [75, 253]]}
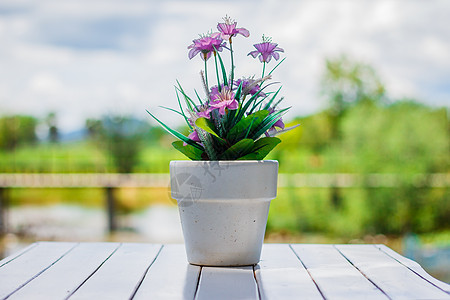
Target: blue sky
{"points": [[87, 58]]}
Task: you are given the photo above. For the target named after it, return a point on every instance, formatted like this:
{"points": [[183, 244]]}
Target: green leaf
{"points": [[181, 110], [198, 97], [272, 99], [261, 148], [246, 125], [176, 133], [241, 148], [237, 96], [224, 73], [187, 99], [188, 150], [267, 123], [206, 125], [276, 66], [173, 110]]}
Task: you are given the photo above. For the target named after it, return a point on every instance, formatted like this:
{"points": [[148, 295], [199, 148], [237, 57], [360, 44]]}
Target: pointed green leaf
{"points": [[181, 110], [224, 73], [176, 133], [246, 125], [267, 123], [276, 66], [171, 109], [187, 99], [188, 150], [261, 148], [206, 125], [198, 97], [272, 99], [241, 148], [237, 96]]}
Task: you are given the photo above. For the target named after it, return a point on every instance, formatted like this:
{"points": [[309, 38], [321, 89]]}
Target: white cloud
{"points": [[88, 58]]}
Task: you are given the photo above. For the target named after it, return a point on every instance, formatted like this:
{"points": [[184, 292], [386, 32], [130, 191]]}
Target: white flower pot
{"points": [[223, 208]]}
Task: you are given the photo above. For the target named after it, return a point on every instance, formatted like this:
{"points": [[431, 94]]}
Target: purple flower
{"points": [[266, 50], [280, 124], [214, 94], [204, 111], [229, 30], [249, 86], [224, 100], [193, 136], [206, 45]]}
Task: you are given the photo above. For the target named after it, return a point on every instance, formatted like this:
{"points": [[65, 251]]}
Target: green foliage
{"points": [[188, 150], [229, 121], [404, 137], [346, 83], [122, 137], [17, 130]]}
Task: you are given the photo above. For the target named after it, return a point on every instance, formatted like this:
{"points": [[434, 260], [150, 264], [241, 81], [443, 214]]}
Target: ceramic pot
{"points": [[223, 208]]}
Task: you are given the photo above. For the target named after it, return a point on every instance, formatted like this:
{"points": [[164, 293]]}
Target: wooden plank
{"points": [[415, 267], [26, 267], [281, 275], [227, 283], [170, 276], [120, 275], [64, 277], [334, 275], [13, 256], [397, 281]]}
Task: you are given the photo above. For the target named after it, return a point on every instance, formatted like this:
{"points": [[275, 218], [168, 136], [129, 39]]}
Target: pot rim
{"points": [[225, 161]]}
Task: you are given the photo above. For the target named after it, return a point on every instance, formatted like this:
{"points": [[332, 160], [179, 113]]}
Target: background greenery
{"points": [[361, 131]]}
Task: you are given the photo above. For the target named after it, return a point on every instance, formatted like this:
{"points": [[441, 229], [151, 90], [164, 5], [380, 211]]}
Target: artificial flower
{"points": [[249, 86], [266, 50], [224, 100], [228, 29], [206, 45]]}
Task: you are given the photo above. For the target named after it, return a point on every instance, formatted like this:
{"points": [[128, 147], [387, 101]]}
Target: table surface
{"points": [[60, 270]]}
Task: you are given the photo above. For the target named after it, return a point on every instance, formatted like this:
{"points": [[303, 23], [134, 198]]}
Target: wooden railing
{"points": [[109, 182], [138, 180]]}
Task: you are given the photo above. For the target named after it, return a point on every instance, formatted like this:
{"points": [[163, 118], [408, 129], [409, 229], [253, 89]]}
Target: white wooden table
{"points": [[57, 270]]}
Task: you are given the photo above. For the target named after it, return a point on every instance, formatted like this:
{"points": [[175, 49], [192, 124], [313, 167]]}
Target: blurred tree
{"points": [[17, 130], [346, 83], [53, 132], [122, 137], [315, 132], [404, 138]]}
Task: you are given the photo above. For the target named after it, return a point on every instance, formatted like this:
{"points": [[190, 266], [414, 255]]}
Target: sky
{"points": [[88, 58]]}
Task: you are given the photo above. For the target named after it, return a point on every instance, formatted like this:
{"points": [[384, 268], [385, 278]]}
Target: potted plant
{"points": [[224, 192]]}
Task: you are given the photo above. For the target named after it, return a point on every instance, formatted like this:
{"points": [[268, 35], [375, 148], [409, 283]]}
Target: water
{"points": [[156, 224], [27, 224]]}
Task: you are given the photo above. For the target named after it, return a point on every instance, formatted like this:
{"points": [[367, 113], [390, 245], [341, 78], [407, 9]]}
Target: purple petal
{"points": [[243, 31], [193, 52], [279, 124], [266, 56], [254, 53], [276, 55], [233, 105], [215, 35]]}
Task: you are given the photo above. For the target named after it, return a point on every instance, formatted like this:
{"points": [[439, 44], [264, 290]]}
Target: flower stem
{"points": [[217, 73], [232, 64], [206, 71], [264, 69]]}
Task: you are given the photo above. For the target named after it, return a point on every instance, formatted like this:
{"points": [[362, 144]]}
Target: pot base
{"points": [[224, 233], [223, 208]]}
